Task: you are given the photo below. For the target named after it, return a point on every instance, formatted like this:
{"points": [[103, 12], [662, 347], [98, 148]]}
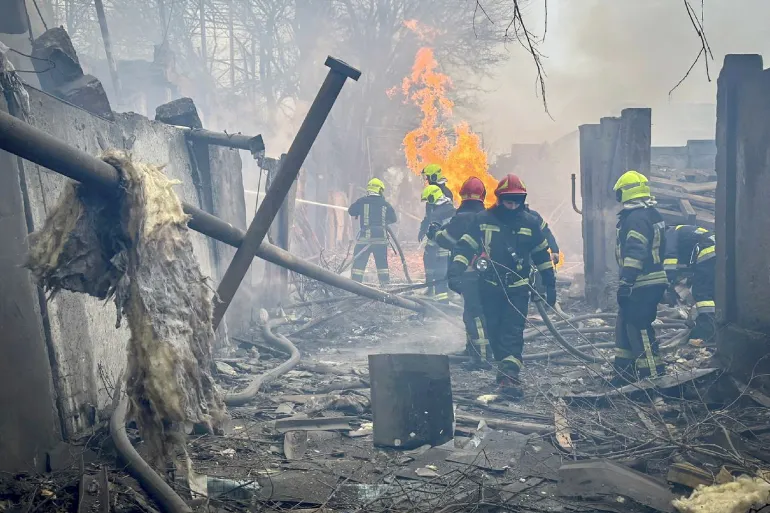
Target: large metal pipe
{"points": [[291, 163], [30, 143], [253, 144]]}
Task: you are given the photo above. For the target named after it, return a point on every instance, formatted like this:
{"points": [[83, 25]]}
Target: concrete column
{"points": [[743, 243], [29, 423], [607, 150]]}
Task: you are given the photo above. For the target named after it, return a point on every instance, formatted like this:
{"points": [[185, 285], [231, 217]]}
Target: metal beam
{"points": [[32, 144], [291, 163]]}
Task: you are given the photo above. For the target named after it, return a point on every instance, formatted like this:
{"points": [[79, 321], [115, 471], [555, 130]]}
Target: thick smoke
{"points": [[605, 55]]}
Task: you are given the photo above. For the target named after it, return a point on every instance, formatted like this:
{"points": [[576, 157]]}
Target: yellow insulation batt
{"points": [[741, 496], [135, 246]]}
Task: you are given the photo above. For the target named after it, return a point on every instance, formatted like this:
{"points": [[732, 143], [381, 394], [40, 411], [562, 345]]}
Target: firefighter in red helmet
{"points": [[472, 194], [503, 243]]}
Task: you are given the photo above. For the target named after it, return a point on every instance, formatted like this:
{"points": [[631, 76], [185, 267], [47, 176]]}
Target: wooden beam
{"points": [[688, 210], [694, 198]]}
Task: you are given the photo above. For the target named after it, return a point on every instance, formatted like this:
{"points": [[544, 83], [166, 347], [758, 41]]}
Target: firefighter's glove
{"points": [[432, 230], [456, 285], [555, 258], [550, 295], [624, 294]]}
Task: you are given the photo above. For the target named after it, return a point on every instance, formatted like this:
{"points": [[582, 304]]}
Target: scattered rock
{"points": [[225, 369]]}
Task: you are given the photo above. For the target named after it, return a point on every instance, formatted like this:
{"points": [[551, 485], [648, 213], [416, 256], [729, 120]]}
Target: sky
{"points": [[605, 55]]}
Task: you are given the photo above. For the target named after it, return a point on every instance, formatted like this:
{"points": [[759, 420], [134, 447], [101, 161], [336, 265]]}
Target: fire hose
{"points": [[156, 486], [248, 393], [400, 254]]}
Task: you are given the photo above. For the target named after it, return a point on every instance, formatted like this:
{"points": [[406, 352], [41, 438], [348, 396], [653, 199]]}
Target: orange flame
{"points": [[459, 153], [423, 32]]}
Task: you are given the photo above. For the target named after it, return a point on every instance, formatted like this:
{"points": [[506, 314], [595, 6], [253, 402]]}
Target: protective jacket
{"points": [[549, 236], [436, 213], [512, 240], [686, 246], [640, 245], [459, 224], [374, 214]]}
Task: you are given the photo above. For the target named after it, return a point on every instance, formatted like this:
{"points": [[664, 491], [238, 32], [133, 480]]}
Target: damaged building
{"points": [[148, 366]]}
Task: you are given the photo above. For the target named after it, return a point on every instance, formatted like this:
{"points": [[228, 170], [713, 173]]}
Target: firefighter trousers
{"points": [[703, 294], [505, 313], [477, 343], [636, 348], [361, 258], [436, 262]]}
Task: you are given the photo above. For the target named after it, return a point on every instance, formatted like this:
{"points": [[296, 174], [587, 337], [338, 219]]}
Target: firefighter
{"points": [[639, 249], [472, 194], [690, 255], [549, 236], [502, 243], [438, 212], [553, 246], [433, 174], [375, 214]]}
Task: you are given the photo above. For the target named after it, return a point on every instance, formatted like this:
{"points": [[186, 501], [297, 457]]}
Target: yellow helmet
{"points": [[631, 185], [432, 194], [375, 186], [433, 173]]}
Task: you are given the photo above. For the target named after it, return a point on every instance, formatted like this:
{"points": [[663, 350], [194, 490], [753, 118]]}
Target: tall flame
{"points": [[458, 149]]}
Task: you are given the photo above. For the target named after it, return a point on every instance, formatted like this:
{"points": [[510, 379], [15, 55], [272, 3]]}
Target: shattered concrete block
{"points": [[181, 112], [596, 478], [55, 59], [86, 92]]}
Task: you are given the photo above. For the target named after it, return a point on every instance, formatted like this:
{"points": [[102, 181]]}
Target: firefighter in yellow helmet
{"points": [[434, 175], [640, 250], [438, 211], [374, 214]]}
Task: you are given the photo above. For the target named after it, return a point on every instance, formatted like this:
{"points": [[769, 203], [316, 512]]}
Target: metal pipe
{"points": [[574, 194], [255, 145], [108, 48], [338, 73], [168, 500], [30, 143]]}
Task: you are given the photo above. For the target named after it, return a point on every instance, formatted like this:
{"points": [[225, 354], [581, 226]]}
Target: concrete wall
{"points": [[743, 171], [28, 422], [607, 150], [85, 345], [697, 154]]}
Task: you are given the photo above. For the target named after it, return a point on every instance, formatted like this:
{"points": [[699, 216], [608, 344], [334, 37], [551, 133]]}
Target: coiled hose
{"points": [[156, 487], [248, 393]]}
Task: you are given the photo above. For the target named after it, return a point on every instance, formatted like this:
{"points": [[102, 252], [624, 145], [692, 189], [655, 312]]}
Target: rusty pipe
{"points": [[338, 73], [574, 194], [30, 143]]}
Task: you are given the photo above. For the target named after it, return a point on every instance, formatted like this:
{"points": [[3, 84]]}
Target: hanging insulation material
{"points": [[135, 247]]}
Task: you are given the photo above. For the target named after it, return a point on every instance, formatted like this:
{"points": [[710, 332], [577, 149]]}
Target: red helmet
{"points": [[510, 184], [473, 189]]}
